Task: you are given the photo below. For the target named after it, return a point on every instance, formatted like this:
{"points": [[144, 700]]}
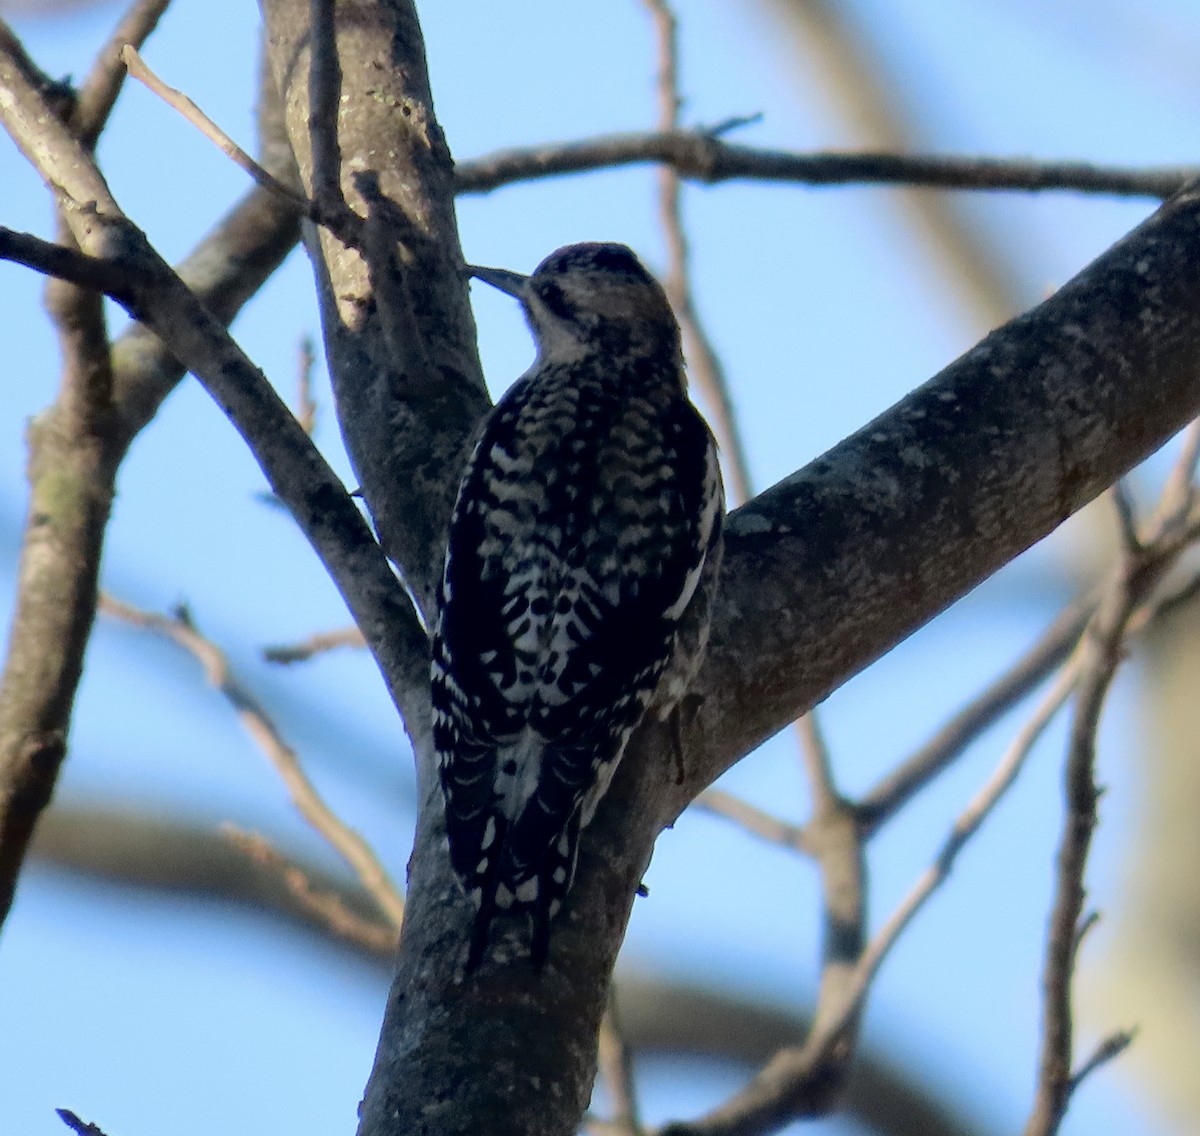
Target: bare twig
{"points": [[1178, 492], [306, 404], [754, 820], [616, 1067], [1090, 920], [1102, 651], [704, 367], [153, 851], [352, 847], [697, 156], [1124, 608], [65, 263], [1111, 1047], [817, 763], [1127, 526], [180, 102], [314, 645], [338, 219], [1054, 1072], [325, 905], [100, 89], [886, 799], [794, 1082], [969, 821], [82, 1127]]}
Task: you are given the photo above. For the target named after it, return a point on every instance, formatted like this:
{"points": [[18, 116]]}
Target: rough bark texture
{"points": [[824, 573], [107, 394], [833, 566], [398, 329]]}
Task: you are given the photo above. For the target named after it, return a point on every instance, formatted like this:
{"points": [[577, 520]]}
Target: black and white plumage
{"points": [[587, 528]]}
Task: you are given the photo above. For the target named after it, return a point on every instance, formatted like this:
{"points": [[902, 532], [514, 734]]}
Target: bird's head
{"points": [[588, 296]]}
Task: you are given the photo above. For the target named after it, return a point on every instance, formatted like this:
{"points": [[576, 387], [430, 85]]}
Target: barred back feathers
{"points": [[587, 527]]}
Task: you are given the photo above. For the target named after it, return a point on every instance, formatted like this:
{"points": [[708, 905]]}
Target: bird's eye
{"points": [[555, 300]]}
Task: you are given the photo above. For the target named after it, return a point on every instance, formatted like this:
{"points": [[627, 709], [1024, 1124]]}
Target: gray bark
{"points": [[823, 573]]}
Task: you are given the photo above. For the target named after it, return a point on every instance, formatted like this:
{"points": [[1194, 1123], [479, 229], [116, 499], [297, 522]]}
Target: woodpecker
{"points": [[582, 558]]}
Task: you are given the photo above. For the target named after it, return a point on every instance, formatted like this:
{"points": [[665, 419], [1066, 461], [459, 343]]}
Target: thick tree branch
{"points": [[824, 573], [834, 565], [399, 334]]}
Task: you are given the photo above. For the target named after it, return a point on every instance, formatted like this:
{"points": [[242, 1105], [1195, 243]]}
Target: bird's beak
{"points": [[511, 282]]}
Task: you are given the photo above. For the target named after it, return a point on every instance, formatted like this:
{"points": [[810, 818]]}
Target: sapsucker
{"points": [[586, 534]]}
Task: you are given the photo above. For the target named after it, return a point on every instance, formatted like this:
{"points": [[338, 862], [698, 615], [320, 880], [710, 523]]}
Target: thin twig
{"points": [[348, 843], [793, 1082], [1124, 609], [314, 645], [329, 908], [342, 222], [1127, 526], [1179, 490], [99, 91], [1111, 1047], [697, 156], [1090, 920], [306, 404], [65, 263], [76, 1125], [616, 1067], [969, 822], [704, 366], [753, 819], [1102, 650], [890, 795], [180, 102], [818, 763]]}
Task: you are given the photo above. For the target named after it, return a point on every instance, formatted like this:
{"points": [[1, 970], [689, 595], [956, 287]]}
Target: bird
{"points": [[581, 563]]}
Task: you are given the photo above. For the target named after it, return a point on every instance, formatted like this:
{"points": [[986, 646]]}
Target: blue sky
{"points": [[149, 1015]]}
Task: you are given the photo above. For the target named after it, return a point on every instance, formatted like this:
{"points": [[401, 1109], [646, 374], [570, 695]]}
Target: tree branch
{"points": [[98, 94], [399, 334], [704, 365], [260, 726], [1144, 563], [74, 454], [667, 1017], [896, 789], [835, 564], [697, 155]]}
